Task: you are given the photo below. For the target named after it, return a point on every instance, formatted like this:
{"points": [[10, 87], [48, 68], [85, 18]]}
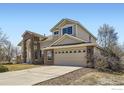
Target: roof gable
{"points": [[69, 21], [67, 40], [33, 33], [74, 22]]}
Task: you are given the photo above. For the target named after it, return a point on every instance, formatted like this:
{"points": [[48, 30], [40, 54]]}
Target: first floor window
{"points": [[49, 55]]}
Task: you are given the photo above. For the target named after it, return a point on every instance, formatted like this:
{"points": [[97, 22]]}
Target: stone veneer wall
{"points": [[46, 61], [32, 51], [90, 55]]}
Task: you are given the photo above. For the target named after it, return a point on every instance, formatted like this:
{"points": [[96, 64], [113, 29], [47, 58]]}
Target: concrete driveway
{"points": [[34, 75]]}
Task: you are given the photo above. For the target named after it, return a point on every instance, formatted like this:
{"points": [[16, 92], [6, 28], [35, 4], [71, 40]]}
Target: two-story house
{"points": [[70, 44]]}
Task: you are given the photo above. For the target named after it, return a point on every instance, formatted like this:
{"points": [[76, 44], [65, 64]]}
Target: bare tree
{"points": [[3, 40], [9, 51], [3, 37], [107, 37], [16, 51], [108, 40]]}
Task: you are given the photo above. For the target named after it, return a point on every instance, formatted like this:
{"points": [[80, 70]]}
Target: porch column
{"points": [[32, 51], [24, 52], [38, 52], [45, 57], [90, 60]]}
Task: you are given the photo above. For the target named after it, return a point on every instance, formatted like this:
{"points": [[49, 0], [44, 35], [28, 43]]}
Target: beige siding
{"points": [[78, 32], [82, 34], [45, 44], [77, 59], [93, 40], [67, 40], [64, 24], [56, 37]]}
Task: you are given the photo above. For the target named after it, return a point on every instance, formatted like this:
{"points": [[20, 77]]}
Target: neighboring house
{"points": [[70, 44]]}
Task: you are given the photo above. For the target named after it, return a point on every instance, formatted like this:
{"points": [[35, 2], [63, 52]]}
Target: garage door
{"points": [[72, 57]]}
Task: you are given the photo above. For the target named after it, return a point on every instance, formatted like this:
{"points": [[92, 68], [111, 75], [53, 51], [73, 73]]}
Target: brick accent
{"points": [[33, 39], [32, 50], [40, 61], [24, 52]]}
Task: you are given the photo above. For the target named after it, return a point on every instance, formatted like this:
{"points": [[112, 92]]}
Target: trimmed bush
{"points": [[3, 68]]}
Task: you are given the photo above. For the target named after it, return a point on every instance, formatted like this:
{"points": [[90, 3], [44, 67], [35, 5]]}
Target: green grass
{"points": [[14, 67]]}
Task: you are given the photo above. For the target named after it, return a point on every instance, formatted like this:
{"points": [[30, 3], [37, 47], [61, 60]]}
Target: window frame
{"points": [[50, 56], [66, 30], [75, 51], [66, 26], [79, 51], [56, 33]]}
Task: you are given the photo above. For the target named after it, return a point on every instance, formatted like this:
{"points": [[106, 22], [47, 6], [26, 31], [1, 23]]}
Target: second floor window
{"points": [[67, 30]]}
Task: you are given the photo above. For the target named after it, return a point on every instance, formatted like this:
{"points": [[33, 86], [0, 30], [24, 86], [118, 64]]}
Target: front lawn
{"points": [[14, 67], [87, 76]]}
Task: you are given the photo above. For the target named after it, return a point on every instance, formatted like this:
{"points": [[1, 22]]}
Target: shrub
{"points": [[114, 64], [107, 63], [3, 68], [100, 62]]}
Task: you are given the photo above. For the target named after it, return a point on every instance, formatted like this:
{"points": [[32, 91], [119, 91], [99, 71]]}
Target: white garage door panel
{"points": [[76, 59]]}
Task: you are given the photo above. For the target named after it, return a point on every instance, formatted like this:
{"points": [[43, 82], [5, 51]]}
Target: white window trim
{"points": [[68, 25], [56, 34]]}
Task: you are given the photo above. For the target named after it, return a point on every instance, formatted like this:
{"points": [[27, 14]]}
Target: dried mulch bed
{"points": [[87, 76], [68, 78]]}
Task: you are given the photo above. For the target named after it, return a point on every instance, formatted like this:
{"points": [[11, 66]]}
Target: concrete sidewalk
{"points": [[34, 75]]}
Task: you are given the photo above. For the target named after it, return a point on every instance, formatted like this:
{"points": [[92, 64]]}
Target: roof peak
{"points": [[36, 34], [71, 20], [74, 21]]}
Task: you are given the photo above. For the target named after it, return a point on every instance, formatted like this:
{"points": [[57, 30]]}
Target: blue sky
{"points": [[40, 18]]}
